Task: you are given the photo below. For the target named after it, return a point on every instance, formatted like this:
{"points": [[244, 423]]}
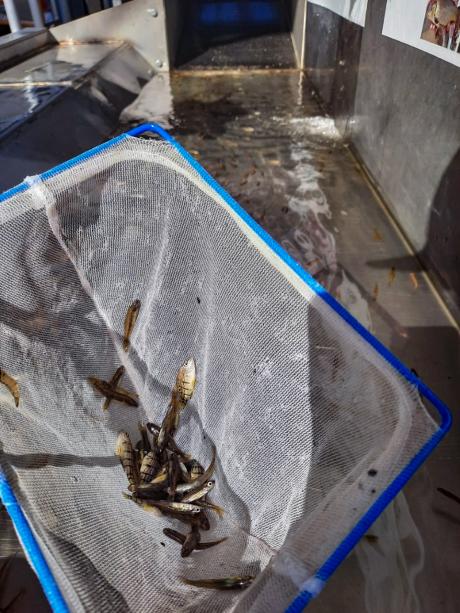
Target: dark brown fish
{"points": [[11, 384], [182, 488], [149, 467], [118, 393], [130, 321], [113, 384], [191, 541], [174, 473], [180, 538], [203, 521], [224, 583], [124, 450]]}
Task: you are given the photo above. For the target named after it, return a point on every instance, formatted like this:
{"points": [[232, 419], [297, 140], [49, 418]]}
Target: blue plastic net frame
{"points": [[21, 525]]}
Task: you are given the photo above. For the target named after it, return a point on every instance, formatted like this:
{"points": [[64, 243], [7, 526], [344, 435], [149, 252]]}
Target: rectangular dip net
{"points": [[316, 426]]}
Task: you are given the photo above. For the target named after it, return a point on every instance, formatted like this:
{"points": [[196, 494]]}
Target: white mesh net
{"points": [[299, 406]]}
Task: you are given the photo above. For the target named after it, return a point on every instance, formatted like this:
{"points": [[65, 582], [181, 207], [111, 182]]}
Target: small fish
{"points": [[130, 320], [180, 538], [146, 506], [377, 236], [182, 488], [207, 504], [158, 484], [11, 384], [375, 293], [168, 426], [113, 384], [149, 467], [186, 379], [124, 450], [177, 507], [171, 444], [173, 475], [391, 275], [145, 438], [449, 494], [118, 393], [224, 583], [202, 520], [200, 493], [162, 475], [191, 541], [139, 453], [184, 474], [196, 469]]}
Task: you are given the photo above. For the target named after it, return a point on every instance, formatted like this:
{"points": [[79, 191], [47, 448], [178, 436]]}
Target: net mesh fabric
{"points": [[297, 404]]}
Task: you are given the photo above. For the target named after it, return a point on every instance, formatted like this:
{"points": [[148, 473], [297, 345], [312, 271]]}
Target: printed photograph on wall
{"points": [[441, 25], [433, 26]]}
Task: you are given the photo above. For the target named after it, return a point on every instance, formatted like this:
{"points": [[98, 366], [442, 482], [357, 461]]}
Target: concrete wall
{"points": [[399, 107]]}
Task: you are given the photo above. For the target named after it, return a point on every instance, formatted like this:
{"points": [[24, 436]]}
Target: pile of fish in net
{"points": [[162, 478]]}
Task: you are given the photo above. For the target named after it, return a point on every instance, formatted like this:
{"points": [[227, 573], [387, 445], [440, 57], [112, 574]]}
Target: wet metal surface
{"points": [[60, 63], [263, 136], [30, 86], [62, 102]]}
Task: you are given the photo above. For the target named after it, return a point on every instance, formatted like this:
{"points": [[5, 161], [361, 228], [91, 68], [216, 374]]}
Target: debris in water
{"points": [[377, 236], [448, 494], [375, 293], [414, 280], [391, 275], [371, 538]]}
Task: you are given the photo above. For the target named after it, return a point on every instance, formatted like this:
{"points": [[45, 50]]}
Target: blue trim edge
{"points": [[29, 543], [300, 602]]}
